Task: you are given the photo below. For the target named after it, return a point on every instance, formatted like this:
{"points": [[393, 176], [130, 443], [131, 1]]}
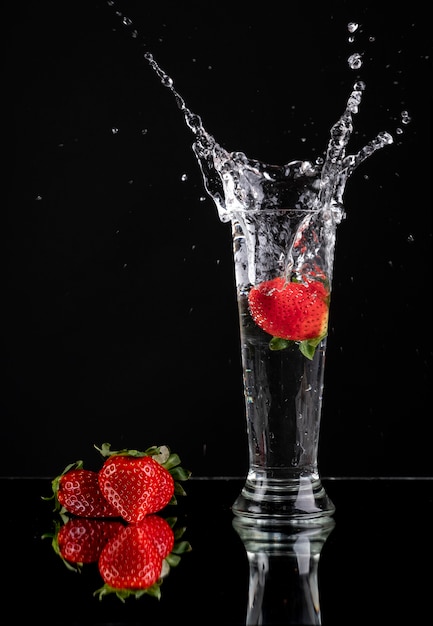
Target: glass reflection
{"points": [[283, 571]]}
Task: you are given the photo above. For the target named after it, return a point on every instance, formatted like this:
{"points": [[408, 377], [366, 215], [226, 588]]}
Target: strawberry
{"points": [[77, 491], [144, 483], [81, 540], [161, 533], [291, 311], [137, 483], [130, 560], [137, 559], [135, 487]]}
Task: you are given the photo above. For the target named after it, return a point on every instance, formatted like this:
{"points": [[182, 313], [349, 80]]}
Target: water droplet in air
{"points": [[355, 61], [352, 27], [405, 117], [384, 139]]}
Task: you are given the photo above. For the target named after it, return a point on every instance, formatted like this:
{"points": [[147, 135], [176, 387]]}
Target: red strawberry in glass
{"points": [[292, 311]]}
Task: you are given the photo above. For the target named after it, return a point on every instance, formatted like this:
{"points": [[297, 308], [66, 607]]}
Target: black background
{"points": [[121, 321]]}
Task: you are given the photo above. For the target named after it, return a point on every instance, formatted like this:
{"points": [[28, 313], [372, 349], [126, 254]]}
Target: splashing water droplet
{"points": [[355, 61], [240, 186], [405, 117]]}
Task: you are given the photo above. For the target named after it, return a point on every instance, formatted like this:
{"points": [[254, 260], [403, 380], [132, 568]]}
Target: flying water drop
{"points": [[355, 61]]}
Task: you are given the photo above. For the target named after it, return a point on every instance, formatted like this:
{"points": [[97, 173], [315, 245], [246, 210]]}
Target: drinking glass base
{"points": [[287, 500]]}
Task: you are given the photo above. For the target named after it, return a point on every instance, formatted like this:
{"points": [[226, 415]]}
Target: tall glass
{"points": [[284, 221], [283, 266]]}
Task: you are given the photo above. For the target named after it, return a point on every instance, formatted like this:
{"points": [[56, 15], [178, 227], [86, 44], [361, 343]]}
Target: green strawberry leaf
{"points": [[172, 461], [180, 547], [179, 490], [173, 560], [180, 473], [308, 347], [122, 594], [276, 343], [178, 531]]}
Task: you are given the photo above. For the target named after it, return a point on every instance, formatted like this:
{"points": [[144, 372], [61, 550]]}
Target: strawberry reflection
{"points": [[283, 571], [132, 559]]}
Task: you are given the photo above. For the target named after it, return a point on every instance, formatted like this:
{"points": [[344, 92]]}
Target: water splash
{"points": [[241, 187], [236, 182]]}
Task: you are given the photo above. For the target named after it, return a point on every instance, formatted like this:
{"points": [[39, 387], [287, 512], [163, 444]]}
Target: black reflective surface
{"points": [[374, 566]]}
